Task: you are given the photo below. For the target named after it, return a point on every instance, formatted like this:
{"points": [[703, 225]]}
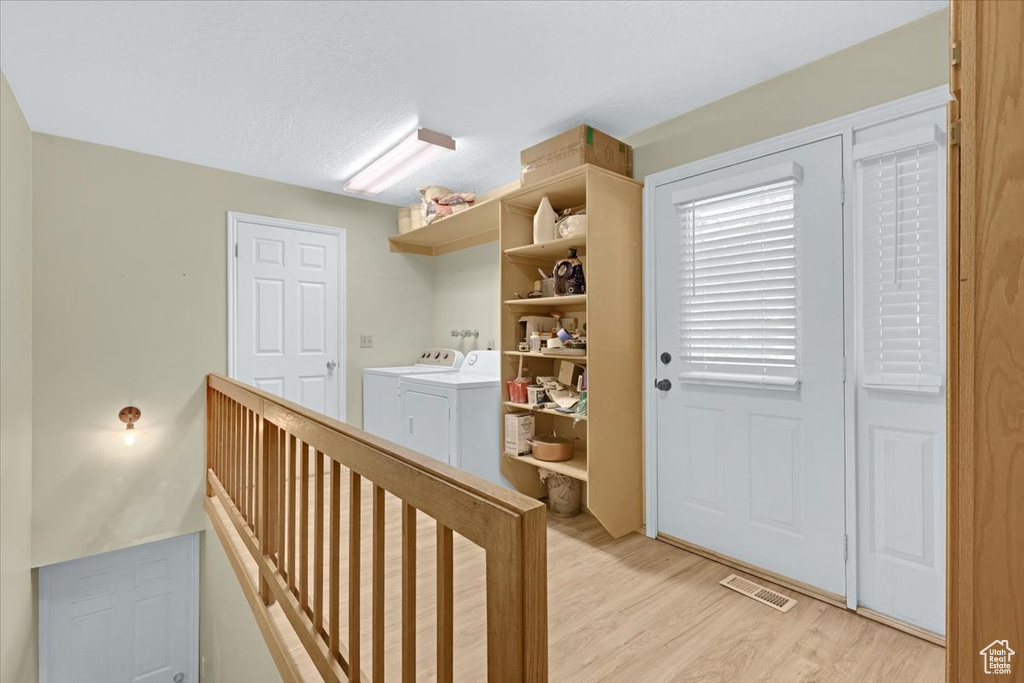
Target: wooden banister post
{"points": [[517, 629]]}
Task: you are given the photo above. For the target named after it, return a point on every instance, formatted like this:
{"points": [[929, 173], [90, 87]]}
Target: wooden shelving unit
{"points": [[609, 456]]}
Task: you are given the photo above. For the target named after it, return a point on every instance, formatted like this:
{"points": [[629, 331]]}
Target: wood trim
{"points": [[901, 626], [274, 640], [784, 581], [986, 370]]}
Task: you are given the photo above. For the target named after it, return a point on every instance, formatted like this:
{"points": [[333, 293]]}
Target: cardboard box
{"points": [[518, 430], [569, 373], [581, 145]]}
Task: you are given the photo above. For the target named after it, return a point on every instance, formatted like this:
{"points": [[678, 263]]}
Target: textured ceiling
{"points": [[308, 92]]}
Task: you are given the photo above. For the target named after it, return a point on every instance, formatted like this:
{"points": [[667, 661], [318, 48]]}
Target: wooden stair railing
{"points": [[264, 454]]}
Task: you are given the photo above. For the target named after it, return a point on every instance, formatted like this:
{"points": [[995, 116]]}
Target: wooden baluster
{"points": [[304, 529], [378, 584], [334, 605], [246, 471], [408, 593], [216, 433], [318, 544], [268, 499], [354, 543], [209, 441], [279, 537], [220, 437], [239, 453], [232, 451], [290, 555], [445, 620], [254, 468]]}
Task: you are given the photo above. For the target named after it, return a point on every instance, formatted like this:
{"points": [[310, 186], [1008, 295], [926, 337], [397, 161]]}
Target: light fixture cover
{"points": [[408, 156]]}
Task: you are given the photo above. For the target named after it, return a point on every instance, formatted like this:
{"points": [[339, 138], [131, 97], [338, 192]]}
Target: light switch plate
{"points": [[366, 341]]}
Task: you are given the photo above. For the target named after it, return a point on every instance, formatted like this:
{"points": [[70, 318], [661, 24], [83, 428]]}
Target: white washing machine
{"points": [[454, 417], [382, 407]]}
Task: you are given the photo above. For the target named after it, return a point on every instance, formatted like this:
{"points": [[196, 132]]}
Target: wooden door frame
{"points": [[985, 522], [233, 219]]}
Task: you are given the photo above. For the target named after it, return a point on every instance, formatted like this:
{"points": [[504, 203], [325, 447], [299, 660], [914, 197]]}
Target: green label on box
{"points": [[590, 136]]}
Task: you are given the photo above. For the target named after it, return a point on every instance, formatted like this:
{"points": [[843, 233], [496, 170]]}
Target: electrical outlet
{"points": [[366, 341]]}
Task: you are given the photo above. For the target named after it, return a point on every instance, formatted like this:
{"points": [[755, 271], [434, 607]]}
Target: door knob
{"points": [[331, 364], [179, 677], [663, 385]]}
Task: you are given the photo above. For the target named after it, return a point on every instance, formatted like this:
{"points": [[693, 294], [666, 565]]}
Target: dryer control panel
{"points": [[443, 358]]}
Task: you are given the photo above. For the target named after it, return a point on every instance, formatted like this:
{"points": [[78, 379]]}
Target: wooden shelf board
{"points": [[564, 190], [547, 251], [575, 468], [574, 300], [545, 411], [548, 356], [469, 228]]}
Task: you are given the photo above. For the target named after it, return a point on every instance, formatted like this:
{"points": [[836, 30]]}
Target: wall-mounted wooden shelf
{"points": [[474, 226], [575, 468]]}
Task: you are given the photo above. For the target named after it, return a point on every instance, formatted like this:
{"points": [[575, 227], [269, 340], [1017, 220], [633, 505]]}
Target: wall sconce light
{"points": [[130, 416]]}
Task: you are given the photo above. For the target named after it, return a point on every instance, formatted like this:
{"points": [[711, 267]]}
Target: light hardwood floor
{"points": [[633, 610]]}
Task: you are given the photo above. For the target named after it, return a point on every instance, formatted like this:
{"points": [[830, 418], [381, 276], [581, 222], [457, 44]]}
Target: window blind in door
{"points": [[899, 214], [738, 280]]}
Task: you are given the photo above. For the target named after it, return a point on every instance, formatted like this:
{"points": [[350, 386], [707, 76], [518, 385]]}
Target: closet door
{"points": [[899, 209]]}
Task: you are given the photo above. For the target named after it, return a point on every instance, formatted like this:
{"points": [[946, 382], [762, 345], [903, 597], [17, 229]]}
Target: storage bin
{"points": [[564, 494]]}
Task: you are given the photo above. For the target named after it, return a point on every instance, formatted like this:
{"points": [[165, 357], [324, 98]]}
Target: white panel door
{"points": [[288, 306], [129, 615], [749, 328]]}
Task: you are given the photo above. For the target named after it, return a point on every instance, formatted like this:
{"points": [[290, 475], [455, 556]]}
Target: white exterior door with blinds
{"points": [[750, 338]]}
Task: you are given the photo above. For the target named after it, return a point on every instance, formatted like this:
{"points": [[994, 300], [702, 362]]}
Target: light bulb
{"points": [[129, 438]]}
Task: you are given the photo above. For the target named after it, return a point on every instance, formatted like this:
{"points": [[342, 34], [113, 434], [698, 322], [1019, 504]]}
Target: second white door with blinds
{"points": [[750, 342]]}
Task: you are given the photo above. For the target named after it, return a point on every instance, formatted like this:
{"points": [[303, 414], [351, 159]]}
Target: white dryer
{"points": [[454, 417], [382, 408]]}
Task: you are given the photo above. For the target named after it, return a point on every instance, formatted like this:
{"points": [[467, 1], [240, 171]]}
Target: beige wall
{"points": [[130, 308], [17, 608], [231, 647], [904, 61], [466, 297]]}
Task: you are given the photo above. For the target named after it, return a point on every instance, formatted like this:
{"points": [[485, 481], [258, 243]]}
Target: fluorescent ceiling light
{"points": [[405, 158]]}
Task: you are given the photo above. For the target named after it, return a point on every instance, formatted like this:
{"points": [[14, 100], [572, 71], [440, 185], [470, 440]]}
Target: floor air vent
{"points": [[758, 592]]}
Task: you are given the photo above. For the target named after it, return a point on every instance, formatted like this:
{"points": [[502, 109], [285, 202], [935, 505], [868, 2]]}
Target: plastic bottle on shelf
{"points": [[544, 222]]}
